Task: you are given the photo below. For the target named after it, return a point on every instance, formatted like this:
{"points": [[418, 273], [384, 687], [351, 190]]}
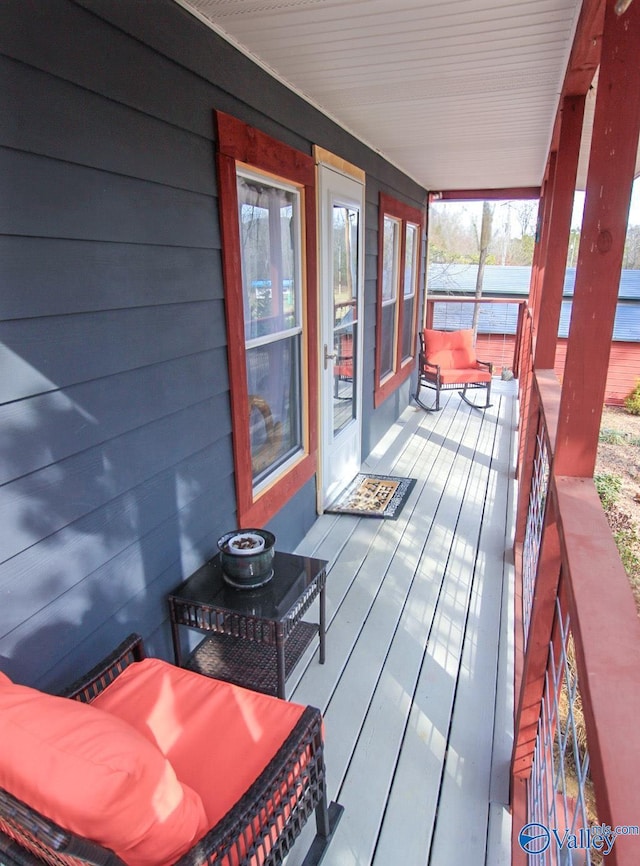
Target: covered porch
{"points": [[456, 631], [417, 688]]}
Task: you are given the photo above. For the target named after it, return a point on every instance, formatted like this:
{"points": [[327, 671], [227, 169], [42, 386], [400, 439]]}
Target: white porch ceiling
{"points": [[459, 94]]}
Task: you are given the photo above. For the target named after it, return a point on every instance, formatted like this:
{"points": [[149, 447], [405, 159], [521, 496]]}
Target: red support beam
{"points": [[508, 194], [549, 301], [584, 57], [614, 145], [540, 255]]}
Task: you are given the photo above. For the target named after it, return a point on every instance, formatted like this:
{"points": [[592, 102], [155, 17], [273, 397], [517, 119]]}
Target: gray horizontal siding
{"points": [[69, 43], [116, 471], [51, 276], [114, 209], [51, 353], [116, 468], [123, 402], [69, 123], [129, 517], [39, 504]]}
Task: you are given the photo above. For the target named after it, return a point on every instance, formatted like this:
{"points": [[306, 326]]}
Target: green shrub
{"points": [[632, 402], [611, 437]]}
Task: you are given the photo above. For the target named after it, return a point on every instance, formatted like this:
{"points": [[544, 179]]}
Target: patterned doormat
{"points": [[373, 496]]}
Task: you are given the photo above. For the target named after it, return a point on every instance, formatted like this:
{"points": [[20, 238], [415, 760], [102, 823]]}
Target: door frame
{"points": [[326, 160]]}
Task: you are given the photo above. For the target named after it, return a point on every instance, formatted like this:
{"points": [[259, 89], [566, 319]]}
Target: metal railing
{"points": [[579, 666], [535, 520], [499, 325], [560, 790]]}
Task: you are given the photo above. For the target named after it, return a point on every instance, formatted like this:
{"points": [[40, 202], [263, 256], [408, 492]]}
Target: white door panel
{"points": [[341, 291]]}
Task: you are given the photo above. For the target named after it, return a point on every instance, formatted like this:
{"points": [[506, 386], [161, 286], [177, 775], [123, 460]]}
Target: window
{"points": [[400, 233], [389, 314], [267, 201], [411, 256], [269, 216]]}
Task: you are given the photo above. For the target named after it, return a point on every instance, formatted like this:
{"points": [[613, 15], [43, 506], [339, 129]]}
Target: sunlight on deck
{"points": [[416, 690]]}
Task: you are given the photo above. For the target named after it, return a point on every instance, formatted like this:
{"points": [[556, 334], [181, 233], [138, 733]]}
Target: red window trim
{"points": [[389, 206], [239, 143]]}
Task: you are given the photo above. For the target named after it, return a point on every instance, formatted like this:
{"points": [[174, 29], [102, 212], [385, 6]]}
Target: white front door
{"points": [[341, 289]]}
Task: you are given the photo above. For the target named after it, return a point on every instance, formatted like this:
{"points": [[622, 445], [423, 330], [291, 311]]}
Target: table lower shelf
{"points": [[248, 663]]}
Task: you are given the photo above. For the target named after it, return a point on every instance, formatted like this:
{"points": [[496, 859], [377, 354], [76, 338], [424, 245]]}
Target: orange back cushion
{"points": [[95, 775], [450, 349]]}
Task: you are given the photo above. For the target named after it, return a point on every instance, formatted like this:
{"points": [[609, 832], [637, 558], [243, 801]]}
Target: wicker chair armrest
{"points": [[12, 854], [89, 686], [20, 825], [284, 796]]}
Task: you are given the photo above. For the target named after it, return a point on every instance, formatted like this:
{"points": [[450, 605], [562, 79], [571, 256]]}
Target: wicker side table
{"points": [[256, 636]]}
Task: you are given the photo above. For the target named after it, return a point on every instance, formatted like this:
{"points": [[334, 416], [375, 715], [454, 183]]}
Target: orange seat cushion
{"points": [[217, 736], [95, 775], [463, 377], [450, 349]]}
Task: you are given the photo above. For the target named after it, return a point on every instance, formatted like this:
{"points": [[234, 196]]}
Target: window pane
{"points": [[410, 281], [387, 345], [390, 273], [345, 310], [407, 328], [345, 262], [274, 386], [390, 259], [269, 233], [410, 259]]}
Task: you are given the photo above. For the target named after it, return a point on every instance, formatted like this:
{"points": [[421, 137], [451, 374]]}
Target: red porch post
{"points": [[549, 299], [614, 145], [540, 252]]}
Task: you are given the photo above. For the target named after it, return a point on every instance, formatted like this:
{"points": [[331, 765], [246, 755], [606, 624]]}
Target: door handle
{"points": [[328, 357]]}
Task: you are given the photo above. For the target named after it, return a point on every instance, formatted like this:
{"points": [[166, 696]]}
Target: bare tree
{"points": [[484, 240], [632, 248], [526, 212]]}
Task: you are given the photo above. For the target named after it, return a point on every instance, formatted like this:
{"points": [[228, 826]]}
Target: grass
{"points": [[616, 437], [608, 486], [625, 531]]}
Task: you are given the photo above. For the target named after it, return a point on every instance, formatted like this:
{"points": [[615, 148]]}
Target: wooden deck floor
{"points": [[416, 690]]}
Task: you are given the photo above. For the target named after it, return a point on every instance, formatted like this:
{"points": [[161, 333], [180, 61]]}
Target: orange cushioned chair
{"points": [[447, 362], [149, 764]]}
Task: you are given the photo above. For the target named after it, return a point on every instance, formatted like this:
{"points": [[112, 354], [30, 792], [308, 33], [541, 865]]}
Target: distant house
{"points": [[498, 322]]}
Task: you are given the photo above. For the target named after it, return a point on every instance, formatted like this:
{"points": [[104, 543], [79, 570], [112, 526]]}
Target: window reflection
{"points": [[345, 313], [269, 216]]}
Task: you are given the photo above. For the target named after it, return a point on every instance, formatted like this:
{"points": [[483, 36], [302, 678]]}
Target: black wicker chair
{"points": [[291, 788]]}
